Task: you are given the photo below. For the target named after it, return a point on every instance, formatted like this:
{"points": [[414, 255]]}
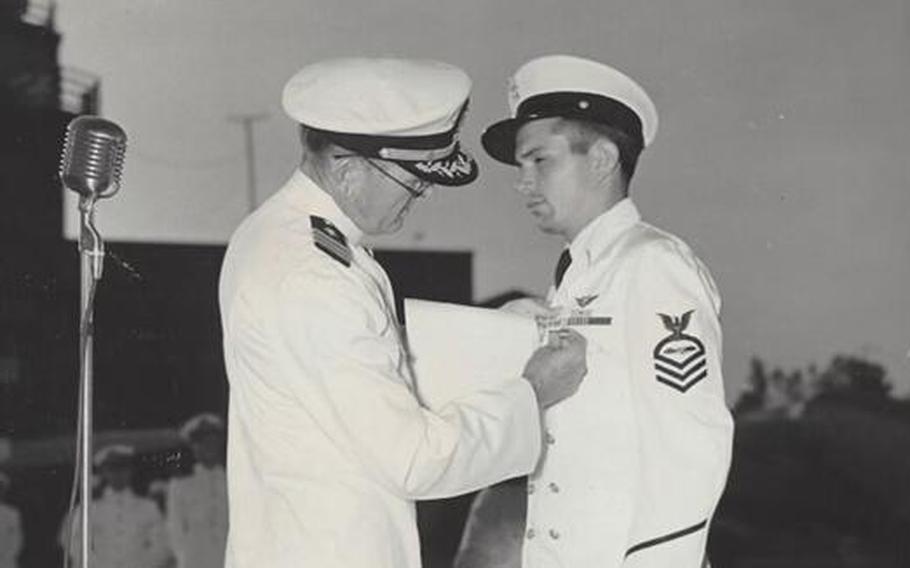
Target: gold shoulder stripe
{"points": [[330, 240]]}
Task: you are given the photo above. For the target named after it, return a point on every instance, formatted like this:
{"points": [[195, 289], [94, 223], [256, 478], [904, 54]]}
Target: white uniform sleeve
{"points": [[685, 429], [353, 375]]}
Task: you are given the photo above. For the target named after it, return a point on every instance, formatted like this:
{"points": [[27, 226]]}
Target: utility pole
{"points": [[247, 121]]}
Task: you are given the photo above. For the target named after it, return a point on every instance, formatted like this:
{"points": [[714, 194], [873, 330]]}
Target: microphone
{"points": [[92, 159]]}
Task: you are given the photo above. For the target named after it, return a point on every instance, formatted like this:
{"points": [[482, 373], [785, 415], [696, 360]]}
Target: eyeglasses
{"points": [[421, 190]]}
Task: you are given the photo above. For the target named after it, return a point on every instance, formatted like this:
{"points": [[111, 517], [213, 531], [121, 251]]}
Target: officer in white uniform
{"points": [[197, 509], [328, 447], [127, 530], [636, 462], [11, 537]]}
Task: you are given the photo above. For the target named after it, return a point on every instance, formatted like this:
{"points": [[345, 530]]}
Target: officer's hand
{"points": [[531, 307], [556, 369]]}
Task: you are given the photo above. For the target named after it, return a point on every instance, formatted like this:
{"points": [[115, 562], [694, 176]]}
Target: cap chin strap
{"points": [[411, 155]]}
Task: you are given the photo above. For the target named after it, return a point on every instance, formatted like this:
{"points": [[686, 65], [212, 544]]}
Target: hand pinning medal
{"points": [[561, 322]]}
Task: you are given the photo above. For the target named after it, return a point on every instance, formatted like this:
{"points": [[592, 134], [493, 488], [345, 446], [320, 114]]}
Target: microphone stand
{"points": [[91, 249]]}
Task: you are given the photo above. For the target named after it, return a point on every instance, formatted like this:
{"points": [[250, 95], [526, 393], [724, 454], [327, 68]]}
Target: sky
{"points": [[781, 156]]}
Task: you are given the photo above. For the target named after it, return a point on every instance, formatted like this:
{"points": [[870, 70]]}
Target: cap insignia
{"points": [[460, 166], [514, 95]]}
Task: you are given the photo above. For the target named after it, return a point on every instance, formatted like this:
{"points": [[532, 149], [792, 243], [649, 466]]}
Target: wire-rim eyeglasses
{"points": [[422, 189]]}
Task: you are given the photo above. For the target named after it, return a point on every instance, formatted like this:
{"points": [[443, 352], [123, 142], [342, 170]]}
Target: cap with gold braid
{"points": [[402, 110]]}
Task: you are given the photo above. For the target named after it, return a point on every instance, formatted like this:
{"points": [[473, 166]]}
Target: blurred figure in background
{"points": [[127, 529], [158, 491], [11, 537], [197, 514]]}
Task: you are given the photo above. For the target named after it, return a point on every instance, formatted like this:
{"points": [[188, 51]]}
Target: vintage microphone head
{"points": [[92, 158]]}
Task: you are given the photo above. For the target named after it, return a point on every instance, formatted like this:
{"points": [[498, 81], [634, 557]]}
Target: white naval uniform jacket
{"points": [[327, 444], [197, 517], [635, 463], [127, 532]]}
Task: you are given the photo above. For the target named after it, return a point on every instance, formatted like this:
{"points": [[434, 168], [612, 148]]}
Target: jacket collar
{"points": [[302, 193], [602, 232]]}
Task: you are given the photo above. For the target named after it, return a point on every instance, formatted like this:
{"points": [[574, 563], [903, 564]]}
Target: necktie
{"points": [[565, 259]]}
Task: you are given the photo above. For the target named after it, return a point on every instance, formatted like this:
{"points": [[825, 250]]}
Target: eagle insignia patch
{"points": [[330, 240], [679, 358]]}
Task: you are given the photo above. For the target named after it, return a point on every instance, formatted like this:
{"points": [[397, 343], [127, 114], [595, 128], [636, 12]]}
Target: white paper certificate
{"points": [[458, 349]]}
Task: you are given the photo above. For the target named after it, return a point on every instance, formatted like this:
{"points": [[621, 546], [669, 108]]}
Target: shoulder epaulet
{"points": [[330, 240]]}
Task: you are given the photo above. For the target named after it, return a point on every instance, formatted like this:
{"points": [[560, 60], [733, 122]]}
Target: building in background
{"points": [[38, 270], [37, 300]]}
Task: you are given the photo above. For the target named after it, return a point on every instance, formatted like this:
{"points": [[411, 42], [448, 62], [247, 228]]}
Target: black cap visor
{"points": [[499, 138]]}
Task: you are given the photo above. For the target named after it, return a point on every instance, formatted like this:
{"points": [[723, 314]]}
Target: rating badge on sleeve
{"points": [[679, 358]]}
